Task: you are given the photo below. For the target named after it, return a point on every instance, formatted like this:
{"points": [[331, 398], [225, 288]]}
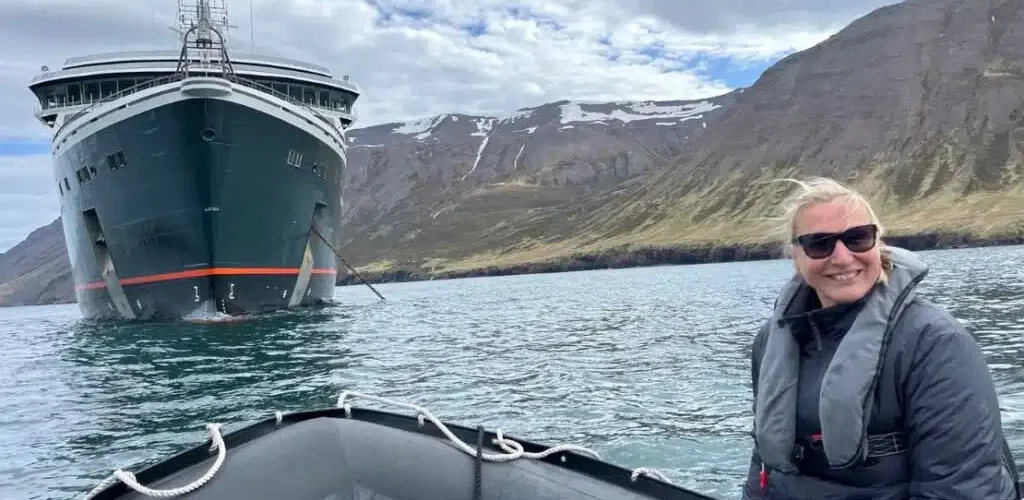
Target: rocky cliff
{"points": [[918, 104], [437, 189], [37, 271]]}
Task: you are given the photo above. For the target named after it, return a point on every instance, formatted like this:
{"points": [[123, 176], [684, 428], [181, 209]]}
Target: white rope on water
{"points": [[129, 479], [513, 449]]}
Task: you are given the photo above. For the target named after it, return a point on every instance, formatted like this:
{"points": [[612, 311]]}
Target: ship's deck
{"points": [[172, 55], [166, 62]]}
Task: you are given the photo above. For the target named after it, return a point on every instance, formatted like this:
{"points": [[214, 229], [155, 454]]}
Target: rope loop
{"points": [[129, 480]]}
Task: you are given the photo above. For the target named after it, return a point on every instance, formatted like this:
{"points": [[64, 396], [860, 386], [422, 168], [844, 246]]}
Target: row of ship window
{"points": [[88, 91], [295, 160], [116, 161]]}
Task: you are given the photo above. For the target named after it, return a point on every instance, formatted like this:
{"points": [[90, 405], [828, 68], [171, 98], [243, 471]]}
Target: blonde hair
{"points": [[817, 190]]}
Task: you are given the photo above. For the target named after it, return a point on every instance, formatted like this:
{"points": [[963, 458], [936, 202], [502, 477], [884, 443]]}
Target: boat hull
{"points": [[190, 206], [375, 454]]}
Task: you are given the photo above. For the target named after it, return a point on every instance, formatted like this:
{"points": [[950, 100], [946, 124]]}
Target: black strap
{"points": [[879, 445], [478, 463], [883, 445]]}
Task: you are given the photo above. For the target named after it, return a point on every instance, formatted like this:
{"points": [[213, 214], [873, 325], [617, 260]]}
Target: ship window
{"points": [[325, 98], [309, 95], [60, 187], [92, 91], [49, 98], [116, 160], [294, 158], [60, 93], [295, 92], [280, 87], [108, 87], [67, 185], [125, 84], [74, 94], [83, 175]]}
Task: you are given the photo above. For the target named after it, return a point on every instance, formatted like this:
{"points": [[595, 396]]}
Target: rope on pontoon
{"points": [[129, 479], [513, 450]]}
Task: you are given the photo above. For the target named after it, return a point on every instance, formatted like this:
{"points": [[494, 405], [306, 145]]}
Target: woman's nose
{"points": [[841, 254]]}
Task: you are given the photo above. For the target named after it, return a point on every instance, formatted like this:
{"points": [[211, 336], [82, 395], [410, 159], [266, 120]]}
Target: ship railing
{"points": [[63, 103], [281, 95], [152, 82]]}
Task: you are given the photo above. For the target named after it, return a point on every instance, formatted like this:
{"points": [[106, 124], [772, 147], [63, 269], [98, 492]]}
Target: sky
{"points": [[416, 58]]}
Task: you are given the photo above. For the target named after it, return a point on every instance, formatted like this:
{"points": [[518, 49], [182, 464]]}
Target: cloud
{"points": [[419, 57], [28, 196], [414, 58]]}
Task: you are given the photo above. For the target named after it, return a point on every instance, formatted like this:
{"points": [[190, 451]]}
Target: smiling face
{"points": [[844, 276]]}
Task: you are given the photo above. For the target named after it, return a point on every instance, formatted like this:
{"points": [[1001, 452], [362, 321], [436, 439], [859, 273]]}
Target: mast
{"points": [[203, 27]]}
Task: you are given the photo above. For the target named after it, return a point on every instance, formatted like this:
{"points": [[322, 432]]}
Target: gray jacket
{"points": [[886, 398]]}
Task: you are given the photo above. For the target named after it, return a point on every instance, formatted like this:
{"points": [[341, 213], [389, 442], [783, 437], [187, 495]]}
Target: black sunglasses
{"points": [[856, 239]]}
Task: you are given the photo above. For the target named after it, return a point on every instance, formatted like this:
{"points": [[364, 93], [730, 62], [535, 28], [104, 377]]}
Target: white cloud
{"points": [[28, 197], [414, 58]]}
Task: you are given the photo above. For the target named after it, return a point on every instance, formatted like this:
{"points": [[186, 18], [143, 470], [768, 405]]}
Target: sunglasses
{"points": [[820, 245]]}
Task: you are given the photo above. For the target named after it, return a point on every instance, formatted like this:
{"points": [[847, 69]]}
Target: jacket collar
{"points": [[810, 324]]}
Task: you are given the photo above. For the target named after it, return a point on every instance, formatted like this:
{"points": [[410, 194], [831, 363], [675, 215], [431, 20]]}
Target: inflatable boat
{"points": [[347, 453]]}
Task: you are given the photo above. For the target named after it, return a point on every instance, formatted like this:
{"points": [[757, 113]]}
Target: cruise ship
{"points": [[195, 183]]}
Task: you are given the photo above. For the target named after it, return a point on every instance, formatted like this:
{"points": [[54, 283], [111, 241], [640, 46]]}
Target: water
{"points": [[649, 367]]}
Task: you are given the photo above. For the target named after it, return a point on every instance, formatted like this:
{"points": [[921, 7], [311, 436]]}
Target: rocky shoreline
{"points": [[657, 256], [57, 288]]}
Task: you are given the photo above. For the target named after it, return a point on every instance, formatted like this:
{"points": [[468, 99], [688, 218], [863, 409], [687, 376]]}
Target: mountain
{"points": [[437, 189], [37, 271], [920, 105]]}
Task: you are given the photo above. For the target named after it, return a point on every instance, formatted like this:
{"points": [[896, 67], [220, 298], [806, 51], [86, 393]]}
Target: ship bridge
{"points": [[87, 80]]}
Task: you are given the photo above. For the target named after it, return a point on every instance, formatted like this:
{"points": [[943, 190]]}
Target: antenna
{"points": [[252, 29], [202, 25], [152, 17], [207, 17]]}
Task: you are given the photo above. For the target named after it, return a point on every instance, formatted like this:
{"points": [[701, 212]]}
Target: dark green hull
{"points": [[194, 205]]}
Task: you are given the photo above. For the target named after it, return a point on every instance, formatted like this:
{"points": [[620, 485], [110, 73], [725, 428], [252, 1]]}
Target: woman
{"points": [[863, 389]]}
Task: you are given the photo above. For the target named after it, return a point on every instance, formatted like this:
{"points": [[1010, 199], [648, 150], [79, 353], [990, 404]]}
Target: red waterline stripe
{"points": [[209, 271]]}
